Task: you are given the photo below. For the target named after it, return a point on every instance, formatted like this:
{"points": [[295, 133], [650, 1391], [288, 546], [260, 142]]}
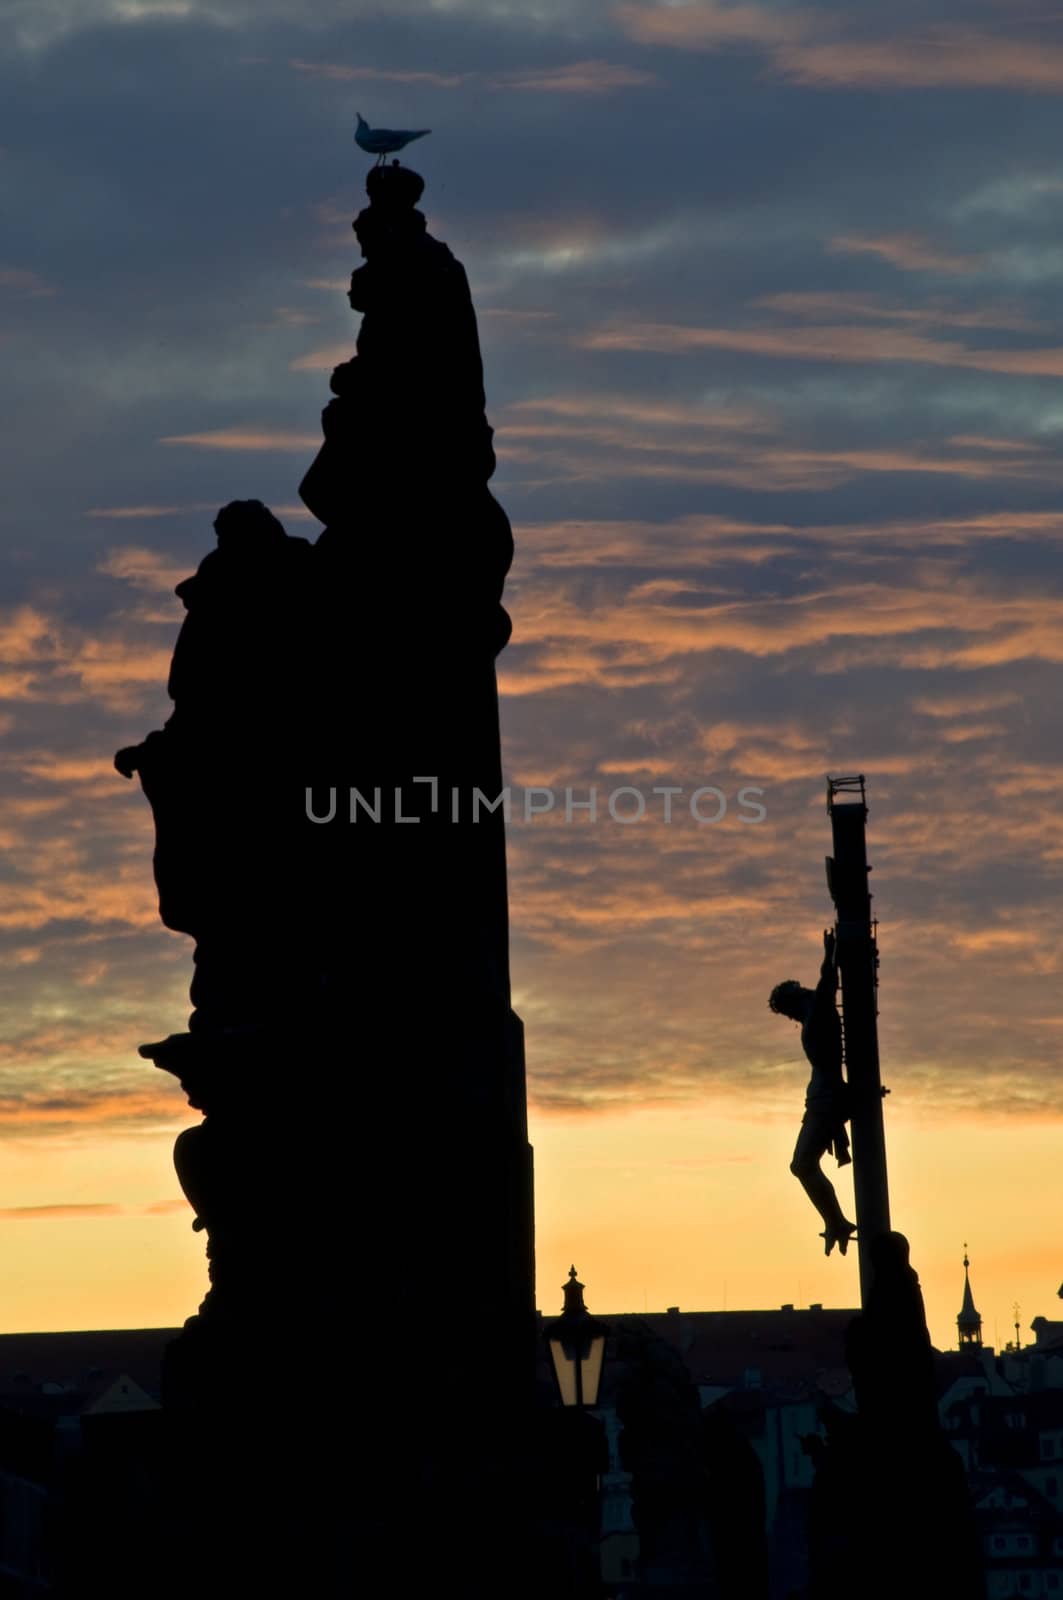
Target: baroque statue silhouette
{"points": [[318, 834]]}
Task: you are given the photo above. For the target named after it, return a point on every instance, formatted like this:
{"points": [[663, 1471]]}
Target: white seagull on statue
{"points": [[382, 141]]}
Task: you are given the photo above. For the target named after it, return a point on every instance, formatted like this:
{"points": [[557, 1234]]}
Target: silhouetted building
{"points": [[736, 1485], [1048, 1336], [1011, 1444], [751, 1399], [27, 1507], [968, 1323], [82, 1502]]}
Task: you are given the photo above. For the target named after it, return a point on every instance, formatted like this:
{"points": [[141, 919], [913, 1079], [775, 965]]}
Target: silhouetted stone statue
{"points": [[826, 1113], [736, 1508], [411, 402], [891, 1512], [888, 1348], [697, 1489], [329, 830], [236, 691]]}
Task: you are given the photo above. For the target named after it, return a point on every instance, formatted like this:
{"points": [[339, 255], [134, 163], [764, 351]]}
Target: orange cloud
{"points": [[824, 305], [645, 412], [972, 731], [907, 250], [344, 74], [22, 1213], [989, 939], [86, 1108], [767, 468], [26, 635], [833, 343], [69, 769], [576, 77], [135, 513], [322, 361], [979, 441], [707, 541], [64, 664], [931, 618], [609, 437], [941, 56], [710, 26], [506, 312], [144, 569], [957, 704], [85, 895], [112, 668], [822, 49], [20, 281], [246, 439]]}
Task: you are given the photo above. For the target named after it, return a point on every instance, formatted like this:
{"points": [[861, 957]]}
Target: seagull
{"points": [[382, 141]]}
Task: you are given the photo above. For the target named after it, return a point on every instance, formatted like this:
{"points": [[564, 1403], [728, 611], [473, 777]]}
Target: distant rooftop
{"points": [[37, 1370], [789, 1351], [1049, 1335]]}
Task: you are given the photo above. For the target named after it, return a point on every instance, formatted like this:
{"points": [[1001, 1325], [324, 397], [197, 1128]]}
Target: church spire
{"points": [[968, 1322]]}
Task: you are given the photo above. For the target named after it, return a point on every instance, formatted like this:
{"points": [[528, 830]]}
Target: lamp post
{"points": [[576, 1342], [574, 1453]]}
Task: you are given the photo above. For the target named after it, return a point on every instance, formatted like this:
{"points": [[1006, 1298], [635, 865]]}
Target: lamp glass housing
{"points": [[578, 1367]]}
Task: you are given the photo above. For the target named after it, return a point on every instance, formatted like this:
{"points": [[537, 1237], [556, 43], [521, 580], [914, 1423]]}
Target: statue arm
{"points": [[142, 757]]}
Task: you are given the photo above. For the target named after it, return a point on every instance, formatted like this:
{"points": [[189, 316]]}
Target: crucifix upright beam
{"points": [[847, 874]]}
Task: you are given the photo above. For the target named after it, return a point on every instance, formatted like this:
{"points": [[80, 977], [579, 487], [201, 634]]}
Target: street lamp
{"points": [[576, 1342]]}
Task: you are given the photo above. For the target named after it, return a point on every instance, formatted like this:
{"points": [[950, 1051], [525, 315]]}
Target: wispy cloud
{"points": [[249, 438], [834, 49], [52, 659], [508, 313], [144, 569], [20, 282], [571, 77], [114, 668], [86, 1110], [941, 56], [145, 513], [149, 513], [60, 1210], [586, 437], [323, 360], [346, 74], [576, 77], [825, 305], [67, 769], [841, 343], [27, 636], [905, 250], [710, 26]]}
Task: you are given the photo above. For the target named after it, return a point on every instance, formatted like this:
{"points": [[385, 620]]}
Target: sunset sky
{"points": [[769, 299]]}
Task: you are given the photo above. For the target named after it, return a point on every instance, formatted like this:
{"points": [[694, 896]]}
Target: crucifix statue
{"points": [[826, 1110]]}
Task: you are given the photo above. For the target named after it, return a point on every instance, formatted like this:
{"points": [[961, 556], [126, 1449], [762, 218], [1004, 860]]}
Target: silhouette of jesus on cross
{"points": [[826, 1108]]}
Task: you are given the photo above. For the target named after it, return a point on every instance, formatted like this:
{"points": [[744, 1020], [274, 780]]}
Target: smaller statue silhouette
{"points": [[826, 1107], [238, 681]]}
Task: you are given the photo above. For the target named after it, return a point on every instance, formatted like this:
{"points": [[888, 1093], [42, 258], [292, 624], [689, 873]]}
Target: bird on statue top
{"points": [[382, 141]]}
